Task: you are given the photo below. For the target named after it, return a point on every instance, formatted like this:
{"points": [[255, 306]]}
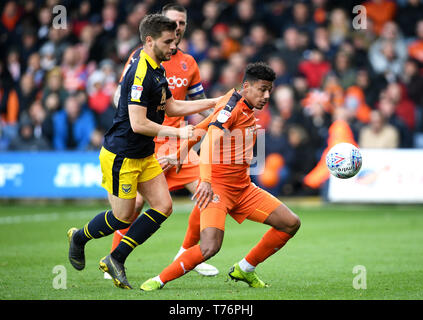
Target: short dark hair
{"points": [[259, 71], [173, 6], [154, 24]]}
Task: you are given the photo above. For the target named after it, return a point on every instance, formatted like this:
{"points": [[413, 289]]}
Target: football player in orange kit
{"points": [[183, 78], [226, 187]]}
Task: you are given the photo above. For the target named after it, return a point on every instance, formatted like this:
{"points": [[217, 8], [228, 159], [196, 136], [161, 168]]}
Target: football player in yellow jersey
{"points": [[127, 157], [184, 80]]}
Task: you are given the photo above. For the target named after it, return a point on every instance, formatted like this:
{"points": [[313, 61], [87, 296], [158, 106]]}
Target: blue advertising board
{"points": [[50, 175]]}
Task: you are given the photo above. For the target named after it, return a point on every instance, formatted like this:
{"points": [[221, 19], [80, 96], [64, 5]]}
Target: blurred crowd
{"points": [[57, 84]]}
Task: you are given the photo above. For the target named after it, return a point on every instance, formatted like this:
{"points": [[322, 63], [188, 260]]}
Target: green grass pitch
{"points": [[317, 264]]}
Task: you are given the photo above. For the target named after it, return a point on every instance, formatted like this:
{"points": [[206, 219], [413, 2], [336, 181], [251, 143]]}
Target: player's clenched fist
{"points": [[186, 132]]}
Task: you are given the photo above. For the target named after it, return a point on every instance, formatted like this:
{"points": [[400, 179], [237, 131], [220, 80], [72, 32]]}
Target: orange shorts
{"points": [[190, 170], [251, 202], [188, 174]]}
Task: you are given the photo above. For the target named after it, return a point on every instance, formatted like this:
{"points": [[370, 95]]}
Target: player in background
{"points": [[226, 187], [183, 76], [127, 158]]}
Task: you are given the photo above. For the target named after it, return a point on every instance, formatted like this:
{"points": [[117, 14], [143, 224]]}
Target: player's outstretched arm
{"points": [[178, 158], [179, 108], [142, 125]]}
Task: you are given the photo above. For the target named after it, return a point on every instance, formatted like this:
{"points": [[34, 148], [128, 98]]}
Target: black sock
{"points": [[102, 225], [141, 229]]}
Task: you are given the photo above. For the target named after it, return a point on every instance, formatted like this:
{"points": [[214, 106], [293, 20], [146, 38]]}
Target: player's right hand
{"points": [[204, 194], [186, 132]]}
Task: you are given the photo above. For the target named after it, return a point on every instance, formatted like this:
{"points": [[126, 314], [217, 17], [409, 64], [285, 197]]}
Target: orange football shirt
{"points": [[226, 160]]}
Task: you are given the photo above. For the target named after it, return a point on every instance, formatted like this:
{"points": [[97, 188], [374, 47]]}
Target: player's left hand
{"points": [[204, 194], [168, 162]]}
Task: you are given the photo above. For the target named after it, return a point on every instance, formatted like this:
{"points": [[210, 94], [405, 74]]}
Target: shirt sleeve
{"points": [[195, 87], [139, 87]]}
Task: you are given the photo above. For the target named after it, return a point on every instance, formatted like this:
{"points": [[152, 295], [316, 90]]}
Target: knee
{"points": [[290, 225], [294, 224], [210, 250], [165, 208]]}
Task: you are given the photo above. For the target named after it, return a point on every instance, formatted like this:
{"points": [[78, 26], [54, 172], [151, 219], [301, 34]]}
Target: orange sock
{"points": [[117, 236], [271, 242], [192, 235], [186, 262]]}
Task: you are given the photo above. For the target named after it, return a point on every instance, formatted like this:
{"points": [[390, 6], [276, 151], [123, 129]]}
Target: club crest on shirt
{"points": [[184, 65], [136, 92]]}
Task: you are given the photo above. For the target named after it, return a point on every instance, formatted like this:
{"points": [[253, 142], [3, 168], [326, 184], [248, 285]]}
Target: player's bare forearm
{"points": [[142, 125], [181, 108], [204, 113]]}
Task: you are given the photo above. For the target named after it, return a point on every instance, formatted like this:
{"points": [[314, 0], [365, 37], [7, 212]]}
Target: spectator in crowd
{"points": [[225, 44], [344, 70], [29, 46], [387, 108], [262, 42], [404, 107], [286, 106], [299, 142], [42, 125], [34, 68], [26, 140], [100, 95], [317, 120], [96, 140], [378, 133], [300, 85], [210, 12], [14, 64], [380, 12], [301, 18], [408, 15], [72, 126], [413, 82], [198, 45], [126, 41], [339, 26], [44, 22], [315, 68], [389, 52], [9, 108], [415, 48], [73, 70], [27, 92], [290, 50], [278, 66], [246, 14], [355, 102], [54, 85], [278, 154], [321, 41], [371, 86]]}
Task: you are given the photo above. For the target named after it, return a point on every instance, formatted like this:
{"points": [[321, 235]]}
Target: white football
{"points": [[344, 160]]}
